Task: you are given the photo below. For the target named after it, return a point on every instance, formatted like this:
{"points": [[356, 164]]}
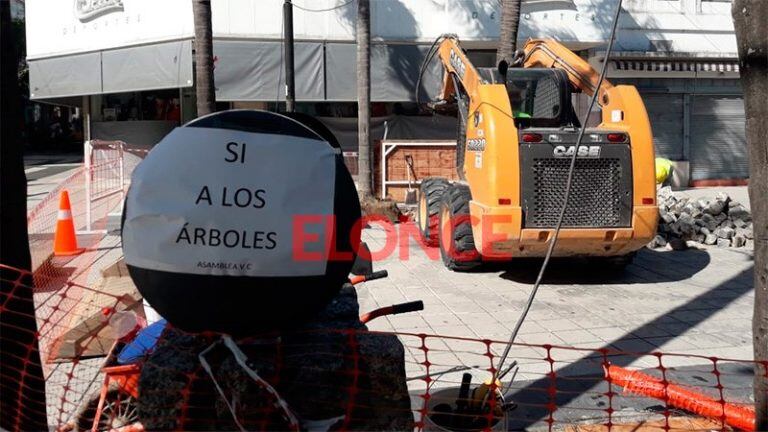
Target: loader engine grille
{"points": [[600, 197], [594, 199]]}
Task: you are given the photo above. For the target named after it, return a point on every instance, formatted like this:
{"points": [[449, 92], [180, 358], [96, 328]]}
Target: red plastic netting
{"points": [[345, 378]]}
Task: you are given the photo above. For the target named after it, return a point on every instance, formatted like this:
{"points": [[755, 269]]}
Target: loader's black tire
{"points": [[618, 263], [457, 244], [430, 193]]}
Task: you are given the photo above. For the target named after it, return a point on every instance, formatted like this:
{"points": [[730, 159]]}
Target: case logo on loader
{"points": [[584, 151], [458, 64]]}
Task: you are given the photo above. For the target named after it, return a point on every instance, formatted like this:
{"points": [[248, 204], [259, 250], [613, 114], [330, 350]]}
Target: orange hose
{"points": [[738, 416]]}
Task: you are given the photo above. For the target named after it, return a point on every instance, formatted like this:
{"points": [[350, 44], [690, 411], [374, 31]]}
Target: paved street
{"points": [[692, 302], [697, 303], [45, 172]]}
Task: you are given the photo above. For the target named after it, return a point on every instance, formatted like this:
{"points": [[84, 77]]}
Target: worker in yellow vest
{"points": [[663, 171]]}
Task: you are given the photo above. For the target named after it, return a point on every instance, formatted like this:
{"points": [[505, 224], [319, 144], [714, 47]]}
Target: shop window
{"points": [[162, 105]]}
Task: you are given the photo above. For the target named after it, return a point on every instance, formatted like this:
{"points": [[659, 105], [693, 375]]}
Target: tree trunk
{"points": [[750, 18], [364, 98], [22, 386], [205, 89], [510, 21]]}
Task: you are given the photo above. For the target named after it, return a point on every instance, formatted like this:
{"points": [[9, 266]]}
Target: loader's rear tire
{"points": [[430, 193], [457, 244], [618, 263]]}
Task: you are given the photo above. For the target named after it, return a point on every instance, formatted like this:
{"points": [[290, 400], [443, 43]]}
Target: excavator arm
{"points": [[459, 71], [547, 53], [538, 53]]}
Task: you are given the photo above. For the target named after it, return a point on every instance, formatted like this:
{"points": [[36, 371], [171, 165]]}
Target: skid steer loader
{"points": [[517, 130]]}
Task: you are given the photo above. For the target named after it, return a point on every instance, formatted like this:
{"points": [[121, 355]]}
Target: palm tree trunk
{"points": [[749, 18], [364, 98], [22, 386], [510, 22], [205, 89]]}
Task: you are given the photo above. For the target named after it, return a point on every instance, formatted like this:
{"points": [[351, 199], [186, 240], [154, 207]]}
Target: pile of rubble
{"points": [[718, 221]]}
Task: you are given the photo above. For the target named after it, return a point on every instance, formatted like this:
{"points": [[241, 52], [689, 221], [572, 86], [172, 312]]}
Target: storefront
{"points": [[696, 110]]}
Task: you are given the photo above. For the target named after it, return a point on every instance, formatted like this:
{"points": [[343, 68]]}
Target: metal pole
{"points": [[121, 152], [87, 152], [87, 158], [290, 84]]}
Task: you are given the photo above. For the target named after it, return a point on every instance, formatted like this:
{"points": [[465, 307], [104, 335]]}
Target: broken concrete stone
{"points": [[686, 223], [678, 244], [680, 205], [738, 212], [748, 232], [657, 242], [722, 196], [669, 218], [701, 220], [691, 209], [727, 224], [723, 243], [725, 232], [715, 207], [665, 192]]}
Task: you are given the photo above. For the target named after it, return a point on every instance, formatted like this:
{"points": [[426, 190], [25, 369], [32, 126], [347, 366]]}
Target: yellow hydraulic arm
{"points": [[547, 53], [457, 64], [538, 53]]}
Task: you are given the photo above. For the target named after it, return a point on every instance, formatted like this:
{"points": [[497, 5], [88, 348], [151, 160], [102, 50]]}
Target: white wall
{"points": [[689, 25], [54, 28]]}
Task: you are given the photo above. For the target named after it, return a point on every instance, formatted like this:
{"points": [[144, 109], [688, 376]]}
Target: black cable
{"points": [[323, 10], [567, 195], [427, 59]]}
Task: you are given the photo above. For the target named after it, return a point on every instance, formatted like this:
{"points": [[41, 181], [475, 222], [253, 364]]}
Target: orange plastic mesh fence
{"points": [[359, 380]]}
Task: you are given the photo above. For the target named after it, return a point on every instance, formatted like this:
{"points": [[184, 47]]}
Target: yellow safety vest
{"points": [[663, 170]]}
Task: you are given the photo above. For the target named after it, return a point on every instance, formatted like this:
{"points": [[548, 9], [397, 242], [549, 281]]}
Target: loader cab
{"points": [[540, 97]]}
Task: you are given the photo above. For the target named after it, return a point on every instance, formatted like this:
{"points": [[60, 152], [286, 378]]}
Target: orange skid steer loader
{"points": [[517, 131]]}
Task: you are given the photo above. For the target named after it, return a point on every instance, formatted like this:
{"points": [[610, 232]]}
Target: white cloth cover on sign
{"points": [[231, 203]]}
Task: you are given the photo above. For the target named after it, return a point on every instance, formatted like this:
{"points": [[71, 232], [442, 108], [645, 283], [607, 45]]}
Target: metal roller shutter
{"points": [[665, 111], [718, 141]]}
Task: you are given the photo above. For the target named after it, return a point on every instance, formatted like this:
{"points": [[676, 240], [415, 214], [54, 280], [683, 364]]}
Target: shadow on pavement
{"points": [[583, 377], [649, 266]]}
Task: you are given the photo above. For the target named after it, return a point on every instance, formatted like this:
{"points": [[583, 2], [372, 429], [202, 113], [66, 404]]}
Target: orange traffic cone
{"points": [[65, 241]]}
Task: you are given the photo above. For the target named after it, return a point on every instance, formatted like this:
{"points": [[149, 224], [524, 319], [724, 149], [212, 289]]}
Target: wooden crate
{"points": [[430, 159]]}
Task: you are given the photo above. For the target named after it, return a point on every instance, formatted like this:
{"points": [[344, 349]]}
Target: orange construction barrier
{"points": [[738, 416], [65, 240]]}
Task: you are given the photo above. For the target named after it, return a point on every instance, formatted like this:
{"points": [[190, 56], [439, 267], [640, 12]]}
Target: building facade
{"points": [[128, 63]]}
